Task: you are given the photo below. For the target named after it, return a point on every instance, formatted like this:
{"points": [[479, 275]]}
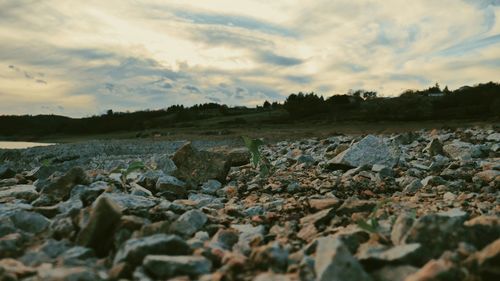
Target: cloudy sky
{"points": [[79, 58]]}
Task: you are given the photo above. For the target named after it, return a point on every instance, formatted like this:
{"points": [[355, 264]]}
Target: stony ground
{"points": [[414, 206]]}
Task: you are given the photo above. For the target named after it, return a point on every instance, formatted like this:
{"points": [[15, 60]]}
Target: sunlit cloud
{"points": [[82, 58]]}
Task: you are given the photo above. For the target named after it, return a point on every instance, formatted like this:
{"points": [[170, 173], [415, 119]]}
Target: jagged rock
{"points": [[368, 151], [211, 187], [68, 274], [462, 150], [15, 270], [6, 172], [199, 166], [23, 191], [100, 227], [272, 256], [60, 188], [487, 261], [162, 267], [401, 226], [189, 222], [134, 250], [437, 270], [248, 234], [269, 276], [482, 230], [435, 147], [171, 187], [334, 262], [394, 273], [403, 254]]}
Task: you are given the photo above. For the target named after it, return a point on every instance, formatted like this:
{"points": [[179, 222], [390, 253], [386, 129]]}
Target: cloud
{"points": [[126, 55]]}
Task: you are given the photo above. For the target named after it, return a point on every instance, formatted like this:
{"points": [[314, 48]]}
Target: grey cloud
{"points": [[191, 89], [270, 58], [213, 99], [40, 81], [299, 79]]}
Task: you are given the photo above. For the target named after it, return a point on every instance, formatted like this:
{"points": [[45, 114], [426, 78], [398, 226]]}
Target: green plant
{"points": [[257, 159], [371, 224]]}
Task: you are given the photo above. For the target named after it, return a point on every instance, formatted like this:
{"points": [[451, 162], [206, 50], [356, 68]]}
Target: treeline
{"points": [[479, 101]]}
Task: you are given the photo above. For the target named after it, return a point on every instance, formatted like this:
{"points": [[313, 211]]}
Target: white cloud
{"points": [[149, 54]]}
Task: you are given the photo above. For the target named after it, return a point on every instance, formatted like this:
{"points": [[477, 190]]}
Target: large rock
{"points": [[462, 150], [370, 150], [487, 261], [162, 267], [196, 166], [30, 222], [102, 223], [60, 188], [334, 262], [6, 172], [134, 250], [68, 274], [171, 187], [23, 191]]}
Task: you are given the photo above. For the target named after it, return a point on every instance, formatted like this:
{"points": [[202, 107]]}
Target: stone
{"points": [[325, 203], [6, 172], [401, 226], [334, 262], [161, 266], [149, 179], [435, 147], [224, 239], [128, 202], [394, 272], [248, 235], [318, 218], [138, 190], [16, 269], [272, 256], [100, 227], [211, 187], [436, 270], [23, 191], [12, 245], [495, 137], [30, 222], [165, 164], [402, 254], [76, 256], [189, 222], [134, 250], [60, 188], [413, 186], [486, 176], [368, 151], [270, 276], [462, 150], [171, 187], [437, 232], [68, 274], [482, 230], [199, 166], [353, 205], [488, 260]]}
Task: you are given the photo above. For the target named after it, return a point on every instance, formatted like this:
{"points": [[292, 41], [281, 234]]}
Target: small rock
{"points": [[325, 203], [170, 266], [413, 187], [68, 274], [211, 187], [435, 147], [25, 192], [6, 172], [394, 273], [30, 222], [436, 270], [189, 222], [60, 188]]}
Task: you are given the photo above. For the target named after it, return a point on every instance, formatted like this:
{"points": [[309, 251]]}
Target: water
{"points": [[21, 144]]}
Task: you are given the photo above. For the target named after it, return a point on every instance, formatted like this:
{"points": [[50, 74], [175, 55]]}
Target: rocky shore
{"points": [[414, 206]]}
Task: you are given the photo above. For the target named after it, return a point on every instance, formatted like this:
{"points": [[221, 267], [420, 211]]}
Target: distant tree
{"points": [[446, 90], [109, 112], [369, 95], [266, 105]]}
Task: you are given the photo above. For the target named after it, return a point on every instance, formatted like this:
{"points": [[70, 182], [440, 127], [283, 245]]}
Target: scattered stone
{"points": [[171, 186], [211, 187], [189, 222], [30, 222], [102, 223], [23, 191], [435, 147], [60, 188], [171, 266]]}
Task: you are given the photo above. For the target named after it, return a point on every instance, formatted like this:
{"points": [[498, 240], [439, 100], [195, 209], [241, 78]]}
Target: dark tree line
{"points": [[480, 102]]}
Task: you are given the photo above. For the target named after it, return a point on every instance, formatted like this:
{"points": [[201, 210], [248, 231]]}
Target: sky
{"points": [[80, 58]]}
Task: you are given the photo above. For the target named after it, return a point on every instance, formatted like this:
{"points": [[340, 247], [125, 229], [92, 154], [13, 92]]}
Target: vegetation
{"points": [[257, 159], [477, 102]]}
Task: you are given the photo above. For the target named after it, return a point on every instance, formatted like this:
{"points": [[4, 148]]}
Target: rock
{"points": [[437, 232], [41, 173], [24, 191], [224, 239], [128, 202], [211, 187], [495, 137], [272, 256], [435, 147], [68, 274], [138, 190], [487, 261], [410, 254], [162, 267], [269, 276], [394, 273], [12, 245], [30, 222], [368, 151], [334, 262], [171, 187], [401, 226], [199, 166], [134, 250], [436, 270], [486, 176], [249, 235], [462, 150], [102, 223], [189, 222], [149, 179], [165, 164], [325, 203], [76, 256], [60, 188], [482, 230], [413, 186], [15, 269], [353, 205], [6, 172]]}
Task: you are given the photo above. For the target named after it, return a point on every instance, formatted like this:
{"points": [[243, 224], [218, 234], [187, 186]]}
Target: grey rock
{"points": [[435, 147], [248, 233], [368, 151], [462, 150], [270, 276], [6, 172], [60, 188], [189, 222], [211, 187], [411, 254], [413, 186], [394, 272], [129, 202], [171, 186], [68, 274], [24, 191], [334, 262], [170, 266], [30, 222], [401, 226], [76, 256], [134, 250], [138, 190], [224, 239], [102, 223]]}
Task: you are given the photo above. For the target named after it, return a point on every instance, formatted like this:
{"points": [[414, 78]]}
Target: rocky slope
{"points": [[418, 206]]}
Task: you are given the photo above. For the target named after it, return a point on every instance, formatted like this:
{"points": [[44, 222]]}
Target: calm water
{"points": [[21, 144]]}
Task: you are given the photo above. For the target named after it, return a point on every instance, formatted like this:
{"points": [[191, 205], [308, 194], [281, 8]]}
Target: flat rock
{"points": [[30, 222], [161, 266], [189, 222], [23, 191], [370, 150]]}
